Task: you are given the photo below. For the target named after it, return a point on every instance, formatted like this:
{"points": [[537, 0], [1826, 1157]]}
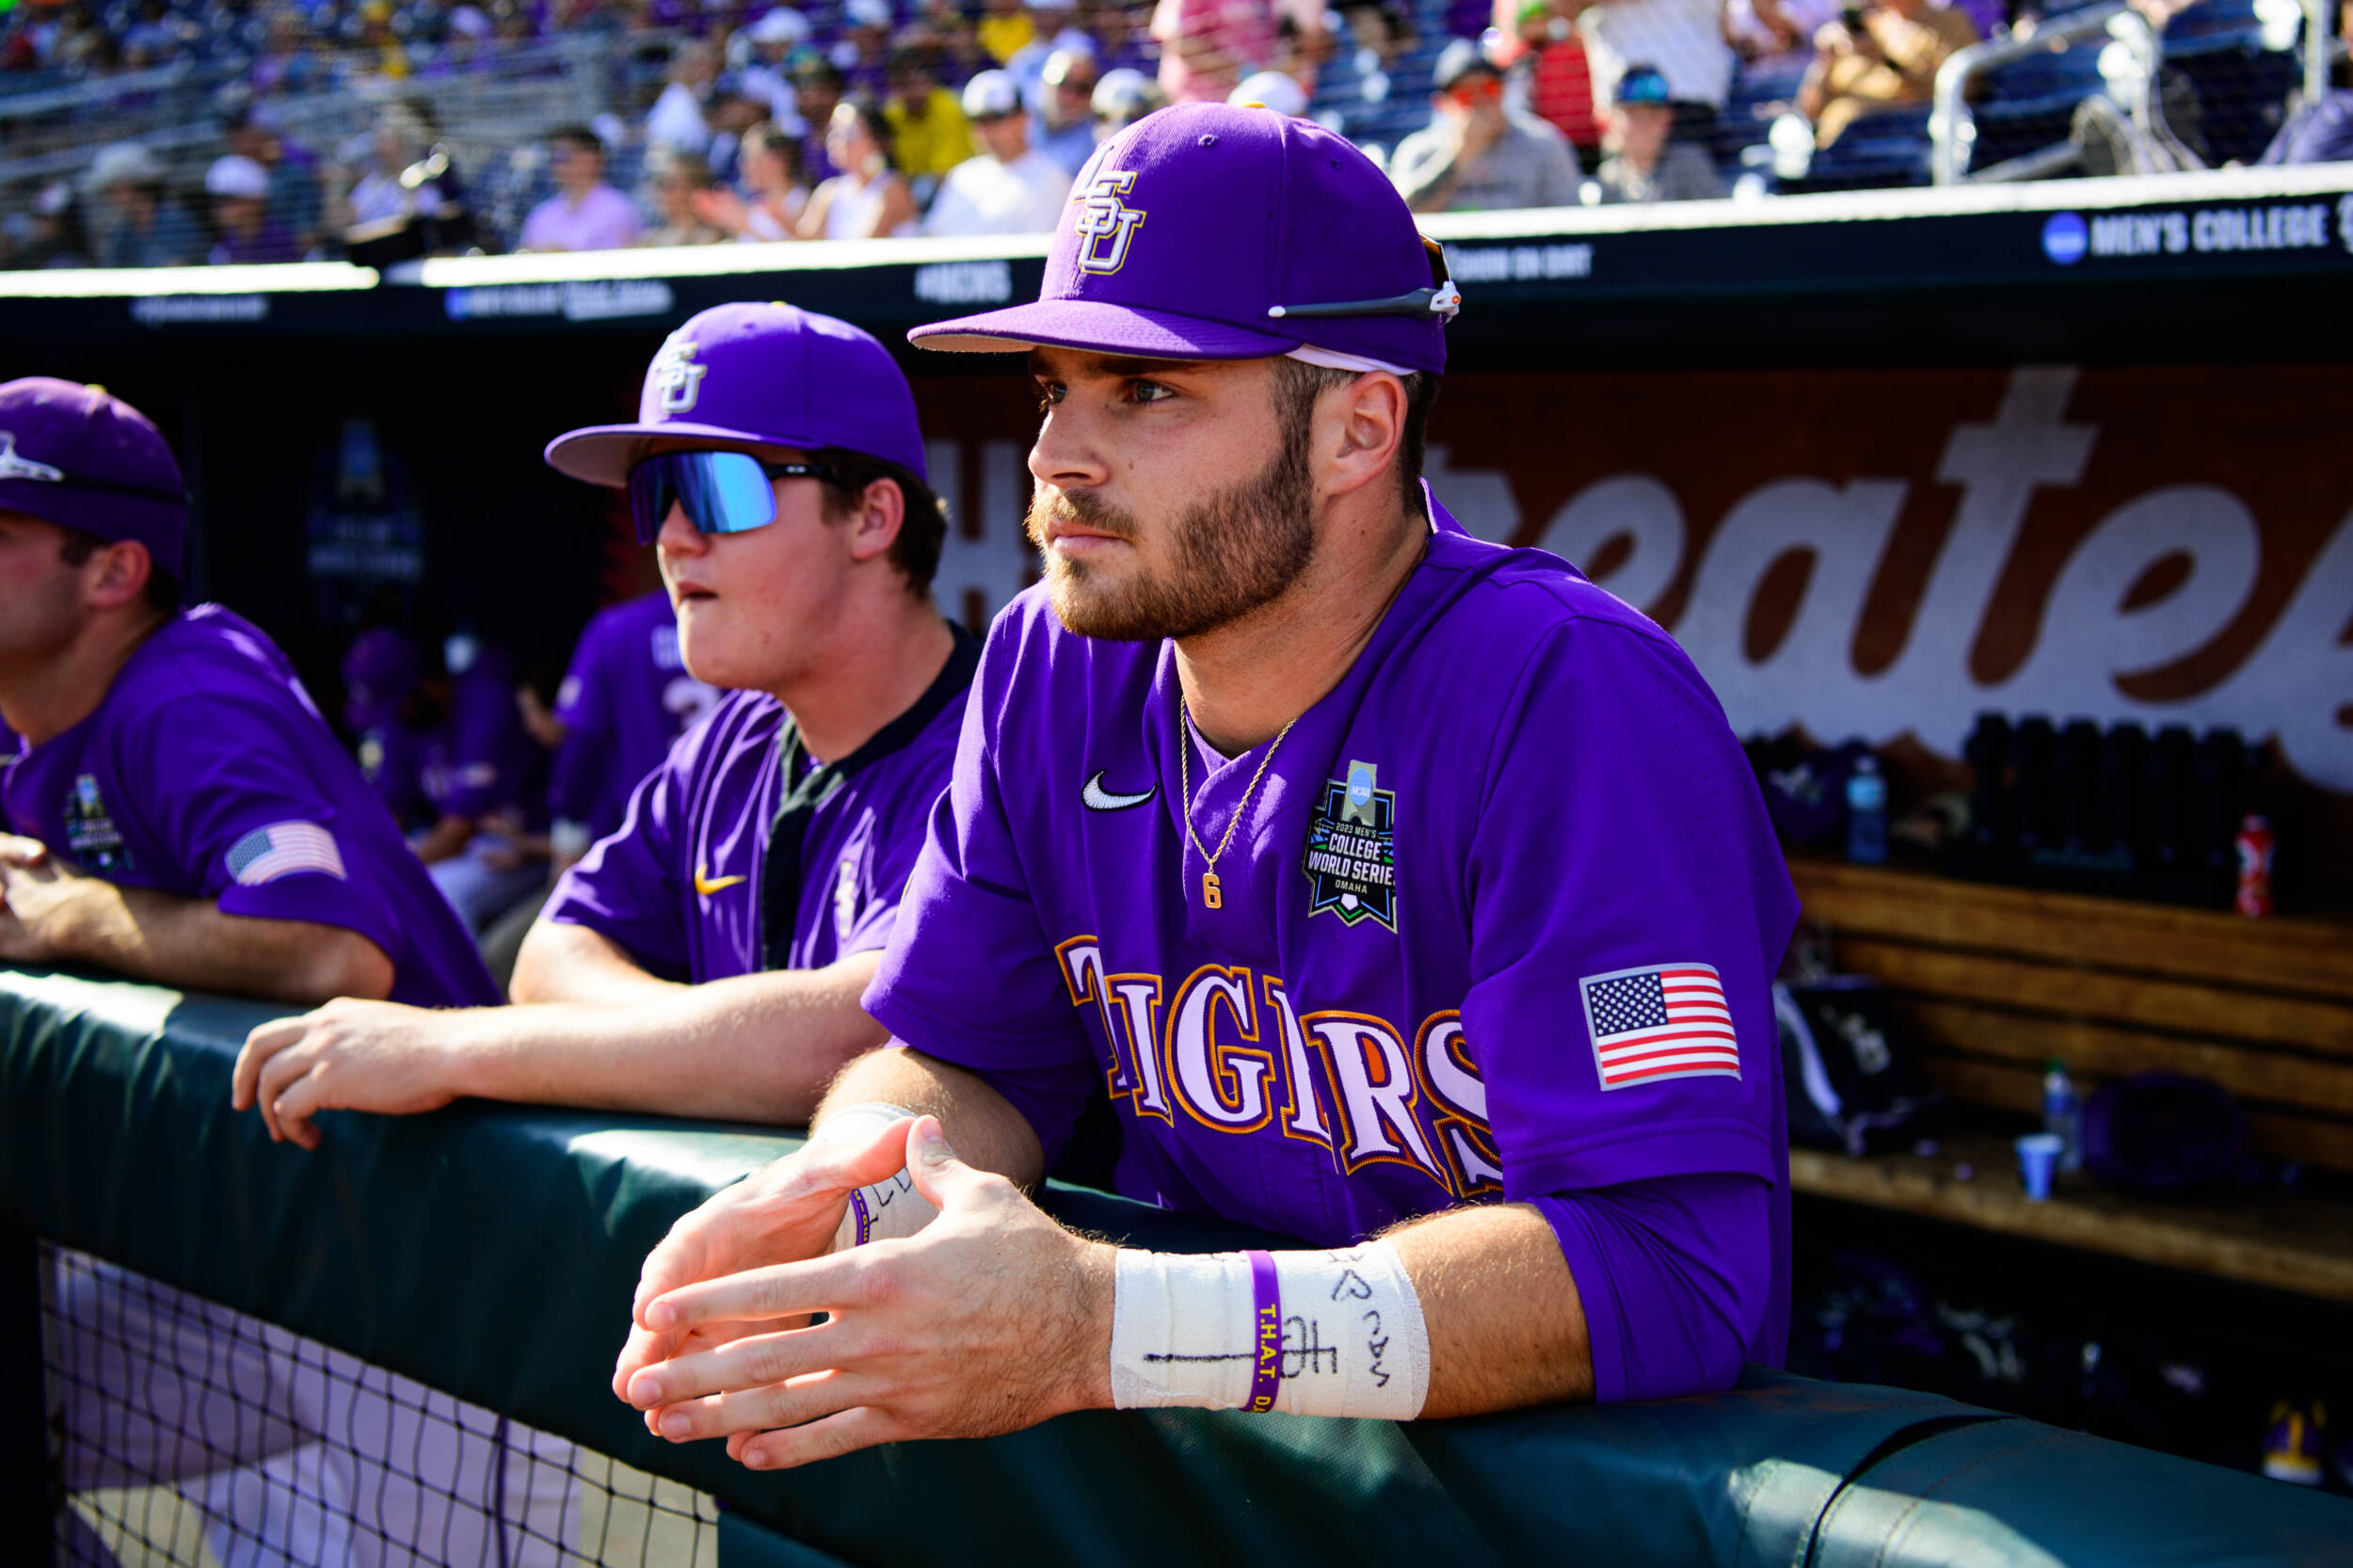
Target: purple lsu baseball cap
{"points": [[80, 458], [749, 376], [1218, 231]]}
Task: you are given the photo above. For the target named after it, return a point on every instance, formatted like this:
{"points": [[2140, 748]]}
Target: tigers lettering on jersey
{"points": [[1231, 1052]]}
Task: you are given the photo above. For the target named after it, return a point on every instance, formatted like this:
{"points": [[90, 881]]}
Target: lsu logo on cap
{"points": [[1105, 222], [676, 380], [14, 466]]}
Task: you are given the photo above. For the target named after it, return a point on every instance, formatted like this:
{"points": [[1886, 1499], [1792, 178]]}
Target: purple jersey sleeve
{"points": [[626, 887], [584, 707], [1583, 869], [250, 818], [1674, 1276]]}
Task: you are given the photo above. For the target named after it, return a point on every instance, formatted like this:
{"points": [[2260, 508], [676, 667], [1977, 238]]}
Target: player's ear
{"points": [[118, 575], [1366, 429], [875, 523]]}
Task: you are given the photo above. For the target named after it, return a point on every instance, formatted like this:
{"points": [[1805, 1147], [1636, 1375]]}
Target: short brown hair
{"points": [[1298, 384], [924, 530]]}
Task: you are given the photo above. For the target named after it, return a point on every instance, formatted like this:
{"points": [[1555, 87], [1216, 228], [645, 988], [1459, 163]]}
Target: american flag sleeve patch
{"points": [[1668, 1020], [281, 849]]}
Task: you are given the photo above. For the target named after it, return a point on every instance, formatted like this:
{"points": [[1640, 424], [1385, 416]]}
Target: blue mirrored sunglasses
{"points": [[723, 492]]}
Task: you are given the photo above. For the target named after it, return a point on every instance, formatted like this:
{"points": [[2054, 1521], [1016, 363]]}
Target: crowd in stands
{"points": [[870, 119]]}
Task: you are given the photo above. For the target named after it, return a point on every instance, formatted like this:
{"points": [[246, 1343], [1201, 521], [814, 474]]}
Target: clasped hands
{"points": [[993, 1319]]}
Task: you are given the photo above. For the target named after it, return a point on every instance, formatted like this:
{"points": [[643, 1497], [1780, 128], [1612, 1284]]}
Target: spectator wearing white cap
{"points": [[1063, 127], [239, 187], [773, 38], [139, 228], [1011, 187], [584, 214], [1123, 97], [1272, 90]]}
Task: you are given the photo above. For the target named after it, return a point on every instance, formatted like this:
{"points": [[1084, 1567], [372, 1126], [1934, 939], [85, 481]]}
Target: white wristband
{"points": [[889, 1209], [570, 838], [1308, 1333]]}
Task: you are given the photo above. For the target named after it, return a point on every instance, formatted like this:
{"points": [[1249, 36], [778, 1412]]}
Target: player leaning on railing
{"points": [[1411, 896], [706, 958]]}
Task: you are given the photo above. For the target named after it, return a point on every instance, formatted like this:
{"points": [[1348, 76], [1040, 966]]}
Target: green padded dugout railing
{"points": [[492, 1251]]}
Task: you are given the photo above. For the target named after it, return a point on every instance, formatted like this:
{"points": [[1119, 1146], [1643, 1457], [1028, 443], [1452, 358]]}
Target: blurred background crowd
{"points": [[138, 132]]}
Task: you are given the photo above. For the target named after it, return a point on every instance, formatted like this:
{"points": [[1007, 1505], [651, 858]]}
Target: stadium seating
{"points": [[2027, 104], [2242, 66], [1884, 148]]}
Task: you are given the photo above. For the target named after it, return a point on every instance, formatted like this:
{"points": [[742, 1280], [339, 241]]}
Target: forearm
{"points": [[754, 1048], [1507, 1326], [189, 943], [561, 962], [982, 1125]]}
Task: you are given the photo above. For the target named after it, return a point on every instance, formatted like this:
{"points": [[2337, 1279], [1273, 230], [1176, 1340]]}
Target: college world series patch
{"points": [[1351, 860]]}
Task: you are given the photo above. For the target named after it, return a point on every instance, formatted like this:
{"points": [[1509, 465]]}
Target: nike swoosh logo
{"points": [[710, 885], [1099, 799]]}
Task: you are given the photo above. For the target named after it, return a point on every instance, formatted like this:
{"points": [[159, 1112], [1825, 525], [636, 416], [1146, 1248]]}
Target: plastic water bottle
{"points": [[2063, 1115], [1866, 813]]}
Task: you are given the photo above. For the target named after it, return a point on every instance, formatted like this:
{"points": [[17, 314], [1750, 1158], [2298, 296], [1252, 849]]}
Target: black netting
{"points": [[185, 1433]]}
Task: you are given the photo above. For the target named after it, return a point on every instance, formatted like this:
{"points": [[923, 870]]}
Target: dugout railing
{"points": [[489, 1252]]}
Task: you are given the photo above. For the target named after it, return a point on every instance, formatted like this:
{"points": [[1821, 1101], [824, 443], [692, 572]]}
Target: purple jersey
{"points": [[741, 853], [1499, 920], [206, 773], [625, 700]]}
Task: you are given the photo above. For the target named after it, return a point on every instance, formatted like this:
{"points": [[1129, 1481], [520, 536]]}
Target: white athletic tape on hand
{"points": [[891, 1209], [570, 838], [1308, 1333]]}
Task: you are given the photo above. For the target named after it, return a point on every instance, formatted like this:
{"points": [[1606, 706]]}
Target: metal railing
{"points": [[1952, 124]]}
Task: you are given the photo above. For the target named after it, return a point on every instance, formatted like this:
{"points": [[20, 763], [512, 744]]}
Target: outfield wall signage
{"points": [[1886, 554]]}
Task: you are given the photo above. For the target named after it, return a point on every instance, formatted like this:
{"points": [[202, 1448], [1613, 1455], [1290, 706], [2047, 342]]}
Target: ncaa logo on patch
{"points": [[1106, 223], [676, 380]]}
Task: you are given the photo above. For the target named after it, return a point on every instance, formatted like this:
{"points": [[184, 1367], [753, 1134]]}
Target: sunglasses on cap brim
{"points": [[1441, 299], [721, 493]]}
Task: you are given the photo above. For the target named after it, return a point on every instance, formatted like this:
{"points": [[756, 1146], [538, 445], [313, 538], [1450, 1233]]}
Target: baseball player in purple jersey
{"points": [[707, 957], [626, 698], [1409, 895], [181, 812]]}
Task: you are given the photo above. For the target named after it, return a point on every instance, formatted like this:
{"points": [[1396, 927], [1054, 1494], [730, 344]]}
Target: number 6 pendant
{"points": [[1210, 897]]}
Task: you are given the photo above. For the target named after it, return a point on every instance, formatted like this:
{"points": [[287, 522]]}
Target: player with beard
{"points": [[1410, 894]]}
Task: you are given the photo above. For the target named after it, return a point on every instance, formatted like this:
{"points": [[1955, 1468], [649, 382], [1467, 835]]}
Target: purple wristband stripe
{"points": [[1266, 1293], [865, 1217]]}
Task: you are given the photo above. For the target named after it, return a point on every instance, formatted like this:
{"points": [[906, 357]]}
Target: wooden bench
{"points": [[1991, 981]]}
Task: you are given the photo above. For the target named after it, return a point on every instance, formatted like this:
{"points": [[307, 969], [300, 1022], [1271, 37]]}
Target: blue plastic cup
{"points": [[2037, 1159]]}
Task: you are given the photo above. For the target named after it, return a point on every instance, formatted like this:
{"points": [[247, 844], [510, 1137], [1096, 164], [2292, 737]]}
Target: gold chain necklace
{"points": [[1213, 896]]}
